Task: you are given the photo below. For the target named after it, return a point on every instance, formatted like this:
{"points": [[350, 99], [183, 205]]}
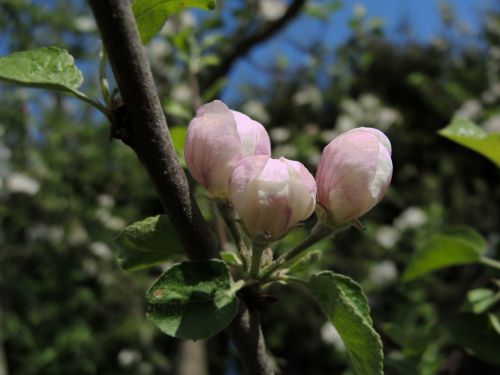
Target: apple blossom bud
{"points": [[353, 174], [217, 138], [271, 195]]}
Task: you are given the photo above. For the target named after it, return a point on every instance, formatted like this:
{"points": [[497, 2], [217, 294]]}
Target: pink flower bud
{"points": [[353, 174], [217, 139], [271, 195]]}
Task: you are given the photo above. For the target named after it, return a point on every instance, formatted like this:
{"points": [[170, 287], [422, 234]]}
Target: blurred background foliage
{"points": [[66, 190]]}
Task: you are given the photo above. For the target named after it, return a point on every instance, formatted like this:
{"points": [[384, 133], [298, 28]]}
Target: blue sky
{"points": [[422, 15]]}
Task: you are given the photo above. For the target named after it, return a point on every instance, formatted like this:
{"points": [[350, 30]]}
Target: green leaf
{"points": [[452, 247], [178, 135], [151, 15], [481, 300], [148, 242], [306, 263], [193, 300], [495, 321], [477, 336], [467, 134], [231, 258], [48, 67], [210, 60], [343, 302], [177, 110]]}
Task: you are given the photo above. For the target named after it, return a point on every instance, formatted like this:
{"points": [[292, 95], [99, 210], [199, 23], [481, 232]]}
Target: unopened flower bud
{"points": [[353, 174], [271, 195], [217, 139]]}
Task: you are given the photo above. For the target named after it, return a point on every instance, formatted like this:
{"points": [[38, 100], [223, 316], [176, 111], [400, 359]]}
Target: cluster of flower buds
{"points": [[230, 155]]}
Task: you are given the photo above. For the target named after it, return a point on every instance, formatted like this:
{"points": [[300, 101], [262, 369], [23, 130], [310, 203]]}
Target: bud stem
{"points": [[228, 216], [257, 251], [319, 232]]}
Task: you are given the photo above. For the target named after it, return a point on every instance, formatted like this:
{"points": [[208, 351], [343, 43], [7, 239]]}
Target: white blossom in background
{"points": [[187, 20], [309, 95], [314, 157], [470, 109], [84, 24], [387, 117], [181, 93], [387, 236], [439, 43], [256, 110], [22, 183], [105, 200], [271, 10], [367, 110], [329, 335], [327, 135], [127, 357], [178, 22], [495, 89], [101, 250], [158, 49], [279, 134], [411, 218], [344, 124], [77, 235], [41, 231], [359, 10], [109, 221], [488, 97], [383, 273], [492, 124], [89, 266]]}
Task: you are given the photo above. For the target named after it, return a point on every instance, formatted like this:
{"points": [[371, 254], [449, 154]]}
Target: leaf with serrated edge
{"points": [[48, 67], [193, 300], [151, 15], [458, 246], [344, 303], [468, 134]]}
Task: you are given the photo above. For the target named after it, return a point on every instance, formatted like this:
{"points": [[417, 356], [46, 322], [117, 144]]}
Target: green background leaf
{"points": [[48, 67], [151, 15], [343, 302], [481, 299], [148, 242], [193, 300], [452, 247], [467, 134], [477, 336]]}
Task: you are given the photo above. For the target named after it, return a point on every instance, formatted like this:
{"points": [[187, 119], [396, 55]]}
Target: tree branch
{"points": [[149, 137], [246, 334], [243, 46], [147, 127]]}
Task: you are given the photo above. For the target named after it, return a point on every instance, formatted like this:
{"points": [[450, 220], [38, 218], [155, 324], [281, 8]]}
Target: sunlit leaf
{"points": [[452, 247], [151, 15], [48, 67], [467, 134], [345, 305], [193, 300]]}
